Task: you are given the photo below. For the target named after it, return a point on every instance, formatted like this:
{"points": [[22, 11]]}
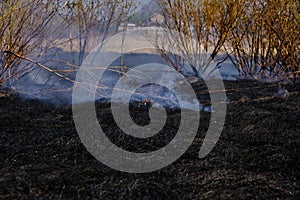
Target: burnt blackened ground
{"points": [[257, 156]]}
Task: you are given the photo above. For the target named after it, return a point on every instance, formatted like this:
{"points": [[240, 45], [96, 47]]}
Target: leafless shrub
{"points": [[93, 21], [264, 42], [29, 29], [22, 28], [260, 37], [205, 26]]}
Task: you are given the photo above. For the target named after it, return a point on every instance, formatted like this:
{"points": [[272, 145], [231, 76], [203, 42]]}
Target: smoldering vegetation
{"points": [[256, 157]]}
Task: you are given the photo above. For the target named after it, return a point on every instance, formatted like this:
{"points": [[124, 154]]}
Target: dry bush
{"points": [[31, 31], [23, 25], [264, 43], [205, 25], [283, 20], [260, 37], [93, 21]]}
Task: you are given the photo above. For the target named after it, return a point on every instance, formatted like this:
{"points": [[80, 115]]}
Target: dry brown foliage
{"points": [[260, 37], [205, 25], [264, 43]]}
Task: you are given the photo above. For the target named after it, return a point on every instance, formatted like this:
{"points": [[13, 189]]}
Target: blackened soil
{"points": [[256, 157]]}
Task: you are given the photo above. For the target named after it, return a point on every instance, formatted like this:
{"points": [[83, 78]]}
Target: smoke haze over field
{"points": [[46, 86]]}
